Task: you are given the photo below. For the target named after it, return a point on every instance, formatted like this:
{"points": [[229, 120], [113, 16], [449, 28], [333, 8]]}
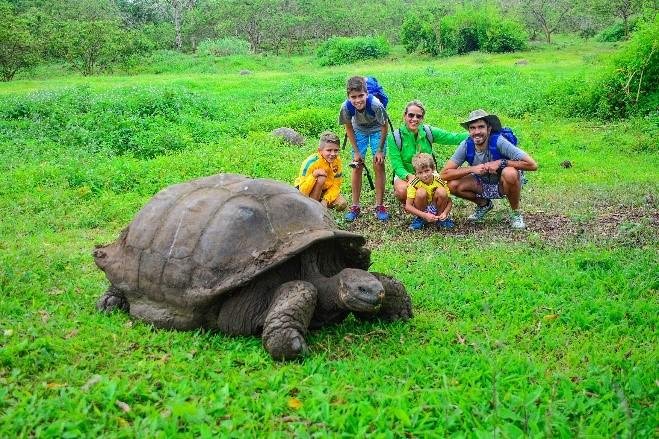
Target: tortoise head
{"points": [[360, 291]]}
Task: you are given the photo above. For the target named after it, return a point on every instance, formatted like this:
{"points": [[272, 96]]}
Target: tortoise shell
{"points": [[196, 240]]}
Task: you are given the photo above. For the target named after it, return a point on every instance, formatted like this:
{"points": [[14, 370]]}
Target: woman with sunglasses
{"points": [[407, 141]]}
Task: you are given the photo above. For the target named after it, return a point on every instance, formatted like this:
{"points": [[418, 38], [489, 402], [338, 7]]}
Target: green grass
{"points": [[550, 332]]}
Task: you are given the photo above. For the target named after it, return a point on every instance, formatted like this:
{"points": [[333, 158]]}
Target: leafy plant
{"points": [[224, 47], [341, 50]]}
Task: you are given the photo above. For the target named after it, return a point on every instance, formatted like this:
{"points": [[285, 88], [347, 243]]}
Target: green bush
{"points": [[632, 83], [464, 31], [224, 47], [309, 122], [341, 50], [504, 35], [615, 32], [417, 34]]}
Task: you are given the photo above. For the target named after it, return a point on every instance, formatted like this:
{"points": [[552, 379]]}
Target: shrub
{"points": [[223, 47], [615, 32], [417, 34], [464, 31], [341, 50], [504, 35], [630, 84]]}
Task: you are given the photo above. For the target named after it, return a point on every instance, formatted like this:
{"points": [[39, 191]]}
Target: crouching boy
{"points": [[428, 196], [320, 173]]}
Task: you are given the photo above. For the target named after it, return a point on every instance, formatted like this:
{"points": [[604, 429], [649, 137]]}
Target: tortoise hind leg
{"points": [[111, 300], [287, 320]]}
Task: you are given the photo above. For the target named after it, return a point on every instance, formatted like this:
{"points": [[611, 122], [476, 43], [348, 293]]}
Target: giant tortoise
{"points": [[246, 257]]}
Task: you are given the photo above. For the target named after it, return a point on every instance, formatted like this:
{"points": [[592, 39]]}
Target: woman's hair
{"points": [[416, 103], [328, 137], [356, 83], [423, 160]]}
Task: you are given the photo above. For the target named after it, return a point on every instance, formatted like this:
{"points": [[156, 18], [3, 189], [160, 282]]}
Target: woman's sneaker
{"points": [[517, 221], [381, 213], [353, 213], [446, 224], [417, 223], [481, 211]]}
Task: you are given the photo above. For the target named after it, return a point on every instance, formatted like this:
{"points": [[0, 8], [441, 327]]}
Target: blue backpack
{"points": [[507, 134], [373, 88]]}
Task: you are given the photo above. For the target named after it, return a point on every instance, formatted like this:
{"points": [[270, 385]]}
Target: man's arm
{"points": [[452, 171]]}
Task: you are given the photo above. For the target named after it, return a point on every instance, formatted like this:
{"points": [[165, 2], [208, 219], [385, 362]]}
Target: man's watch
{"points": [[503, 164]]}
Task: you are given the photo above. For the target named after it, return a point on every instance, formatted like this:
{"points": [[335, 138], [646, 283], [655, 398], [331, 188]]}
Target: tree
{"points": [[548, 15], [90, 46], [18, 48]]}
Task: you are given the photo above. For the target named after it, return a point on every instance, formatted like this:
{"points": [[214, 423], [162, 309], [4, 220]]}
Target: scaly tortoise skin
{"points": [[246, 257]]}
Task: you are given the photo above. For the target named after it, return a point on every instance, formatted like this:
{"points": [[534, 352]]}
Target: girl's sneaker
{"points": [[417, 223]]}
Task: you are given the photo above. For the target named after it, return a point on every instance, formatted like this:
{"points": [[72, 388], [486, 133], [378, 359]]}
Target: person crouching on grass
{"points": [[488, 177], [320, 173], [428, 196]]}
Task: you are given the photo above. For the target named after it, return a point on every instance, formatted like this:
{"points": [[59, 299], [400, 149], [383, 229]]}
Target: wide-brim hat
{"points": [[492, 119]]}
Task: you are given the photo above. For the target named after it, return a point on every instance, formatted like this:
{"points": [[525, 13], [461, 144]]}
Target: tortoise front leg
{"points": [[111, 300], [288, 318], [396, 305]]}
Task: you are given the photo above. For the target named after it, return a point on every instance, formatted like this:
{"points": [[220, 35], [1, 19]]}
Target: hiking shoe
{"points": [[353, 213], [481, 211], [446, 224], [381, 213], [517, 221], [417, 223]]}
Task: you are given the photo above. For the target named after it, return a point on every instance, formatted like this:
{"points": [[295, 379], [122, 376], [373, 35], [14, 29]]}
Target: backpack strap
{"points": [[398, 139], [491, 145], [428, 132]]}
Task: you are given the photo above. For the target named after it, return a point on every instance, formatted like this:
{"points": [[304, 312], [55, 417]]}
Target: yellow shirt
{"points": [[416, 184], [306, 181]]}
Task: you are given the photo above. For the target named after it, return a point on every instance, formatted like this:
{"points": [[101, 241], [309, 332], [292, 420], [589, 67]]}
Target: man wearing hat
{"points": [[494, 171]]}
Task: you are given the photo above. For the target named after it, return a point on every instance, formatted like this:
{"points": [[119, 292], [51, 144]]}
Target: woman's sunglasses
{"points": [[414, 116]]}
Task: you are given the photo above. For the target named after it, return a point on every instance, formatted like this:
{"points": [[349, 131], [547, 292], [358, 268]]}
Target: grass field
{"points": [[548, 332]]}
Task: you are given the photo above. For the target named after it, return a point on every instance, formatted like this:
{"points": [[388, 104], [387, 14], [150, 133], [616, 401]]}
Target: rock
{"points": [[289, 135]]}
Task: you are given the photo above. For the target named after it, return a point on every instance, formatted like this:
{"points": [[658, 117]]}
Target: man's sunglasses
{"points": [[414, 116]]}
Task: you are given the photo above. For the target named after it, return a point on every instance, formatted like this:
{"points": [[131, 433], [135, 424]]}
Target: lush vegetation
{"points": [[550, 332], [100, 36]]}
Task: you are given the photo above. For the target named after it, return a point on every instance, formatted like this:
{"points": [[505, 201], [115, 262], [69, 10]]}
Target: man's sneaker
{"points": [[517, 221], [381, 213], [417, 223], [353, 213], [446, 224], [481, 211]]}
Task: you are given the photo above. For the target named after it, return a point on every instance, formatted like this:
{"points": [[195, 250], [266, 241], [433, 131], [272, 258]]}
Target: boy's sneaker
{"points": [[417, 223], [446, 224], [481, 211], [381, 213], [517, 221], [353, 213]]}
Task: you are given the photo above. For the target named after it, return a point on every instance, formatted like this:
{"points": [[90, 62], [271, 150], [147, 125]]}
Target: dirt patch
{"points": [[621, 224]]}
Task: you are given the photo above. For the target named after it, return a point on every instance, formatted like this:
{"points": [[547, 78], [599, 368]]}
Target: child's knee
{"points": [[441, 194]]}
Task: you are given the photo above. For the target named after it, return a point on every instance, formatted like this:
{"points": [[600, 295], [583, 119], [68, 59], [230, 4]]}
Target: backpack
{"points": [[507, 134], [398, 139]]}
